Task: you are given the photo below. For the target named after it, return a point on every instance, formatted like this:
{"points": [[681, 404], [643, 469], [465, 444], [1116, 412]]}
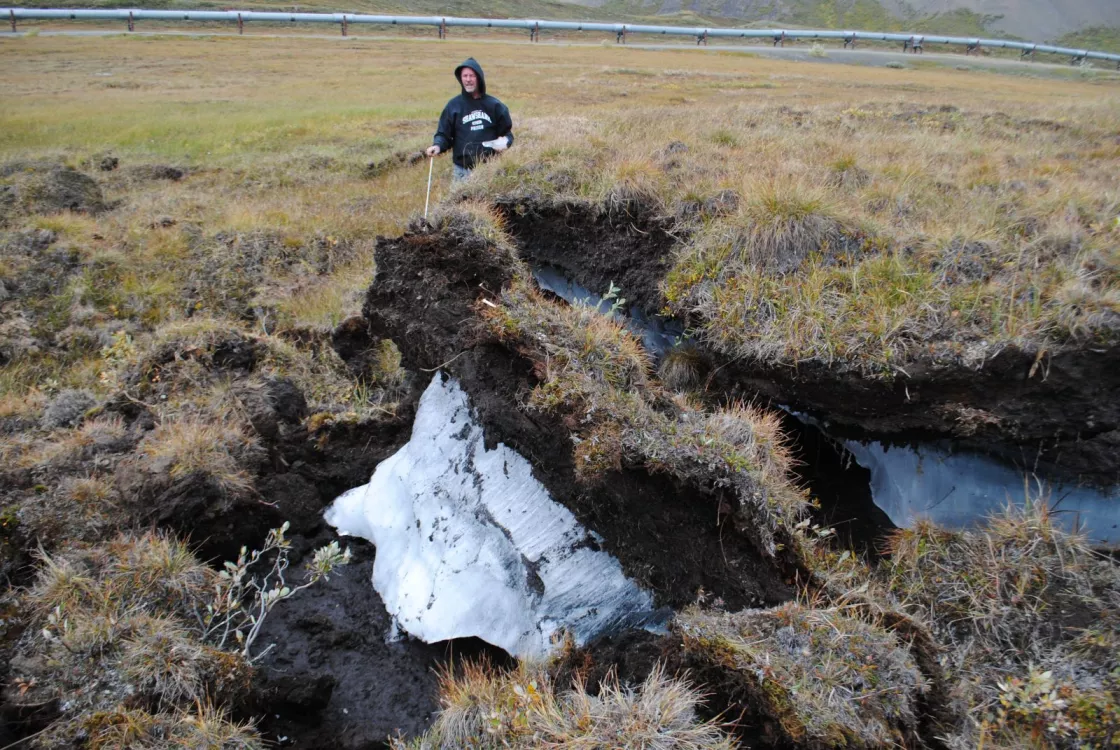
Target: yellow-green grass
{"points": [[278, 132], [271, 234], [523, 708], [866, 234]]}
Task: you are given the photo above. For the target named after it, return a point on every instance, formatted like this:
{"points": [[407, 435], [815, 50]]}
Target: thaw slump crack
{"points": [[867, 483]]}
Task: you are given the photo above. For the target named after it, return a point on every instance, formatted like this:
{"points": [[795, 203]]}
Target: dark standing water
{"points": [[658, 335]]}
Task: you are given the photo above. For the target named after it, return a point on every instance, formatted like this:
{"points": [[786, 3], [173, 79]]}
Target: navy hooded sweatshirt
{"points": [[466, 122]]}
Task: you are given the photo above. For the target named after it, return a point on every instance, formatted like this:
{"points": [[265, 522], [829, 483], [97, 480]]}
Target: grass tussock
{"points": [[201, 726], [820, 677], [189, 366], [595, 375], [80, 508], [120, 624], [779, 226], [683, 368], [219, 452], [1026, 614], [486, 708]]}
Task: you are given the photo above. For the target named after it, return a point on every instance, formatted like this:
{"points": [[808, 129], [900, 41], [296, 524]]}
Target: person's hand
{"points": [[501, 144], [432, 150]]}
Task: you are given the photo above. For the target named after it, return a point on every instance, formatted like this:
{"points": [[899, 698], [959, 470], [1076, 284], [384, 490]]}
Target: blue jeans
{"points": [[459, 173]]}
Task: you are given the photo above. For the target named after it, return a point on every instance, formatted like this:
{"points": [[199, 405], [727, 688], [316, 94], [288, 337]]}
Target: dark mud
{"points": [[840, 487], [631, 250], [672, 538], [336, 675], [1063, 419]]}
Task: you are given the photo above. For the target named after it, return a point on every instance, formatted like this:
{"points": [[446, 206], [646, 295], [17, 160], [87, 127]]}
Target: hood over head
{"points": [[471, 63]]}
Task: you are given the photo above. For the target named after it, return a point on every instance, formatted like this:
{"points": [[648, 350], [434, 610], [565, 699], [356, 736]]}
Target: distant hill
{"points": [[1040, 20], [1076, 22], [1035, 19]]}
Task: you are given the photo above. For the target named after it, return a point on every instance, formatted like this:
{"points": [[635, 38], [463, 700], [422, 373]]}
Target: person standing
{"points": [[474, 125]]}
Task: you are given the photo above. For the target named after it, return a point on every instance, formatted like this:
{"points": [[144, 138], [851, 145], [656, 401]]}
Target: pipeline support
{"points": [[912, 42]]}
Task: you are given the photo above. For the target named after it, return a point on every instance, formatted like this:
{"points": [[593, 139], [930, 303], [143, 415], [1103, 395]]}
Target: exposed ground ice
{"points": [[469, 543]]}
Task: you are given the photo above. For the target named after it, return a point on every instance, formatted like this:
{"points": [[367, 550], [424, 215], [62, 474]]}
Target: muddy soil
{"points": [[595, 249], [671, 538], [337, 671], [1064, 420], [1056, 411], [840, 485]]}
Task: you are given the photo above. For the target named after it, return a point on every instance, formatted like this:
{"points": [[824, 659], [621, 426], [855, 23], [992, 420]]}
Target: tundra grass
{"points": [[873, 209]]}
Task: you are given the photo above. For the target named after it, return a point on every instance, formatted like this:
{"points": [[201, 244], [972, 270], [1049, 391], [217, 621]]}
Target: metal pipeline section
{"points": [[621, 30]]}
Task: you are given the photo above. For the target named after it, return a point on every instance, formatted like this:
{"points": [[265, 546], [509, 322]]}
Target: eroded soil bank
{"points": [[1054, 411], [670, 537]]}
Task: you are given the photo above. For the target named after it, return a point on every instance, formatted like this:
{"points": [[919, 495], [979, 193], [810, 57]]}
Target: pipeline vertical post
{"points": [[131, 27], [344, 29], [850, 41], [240, 24], [918, 47], [12, 14], [443, 28]]}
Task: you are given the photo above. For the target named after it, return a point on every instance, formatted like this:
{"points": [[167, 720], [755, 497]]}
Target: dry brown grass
{"points": [[486, 708], [1026, 614], [824, 677]]}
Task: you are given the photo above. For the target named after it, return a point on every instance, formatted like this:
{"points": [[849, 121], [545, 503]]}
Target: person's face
{"points": [[469, 80]]}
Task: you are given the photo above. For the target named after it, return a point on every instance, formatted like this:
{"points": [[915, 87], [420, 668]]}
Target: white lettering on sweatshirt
{"points": [[478, 114]]}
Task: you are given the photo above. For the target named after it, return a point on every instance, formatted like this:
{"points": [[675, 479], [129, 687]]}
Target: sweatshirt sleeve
{"points": [[445, 131], [505, 124]]}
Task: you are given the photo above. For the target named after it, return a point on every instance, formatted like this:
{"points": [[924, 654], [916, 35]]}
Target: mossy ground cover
{"points": [[854, 216]]}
